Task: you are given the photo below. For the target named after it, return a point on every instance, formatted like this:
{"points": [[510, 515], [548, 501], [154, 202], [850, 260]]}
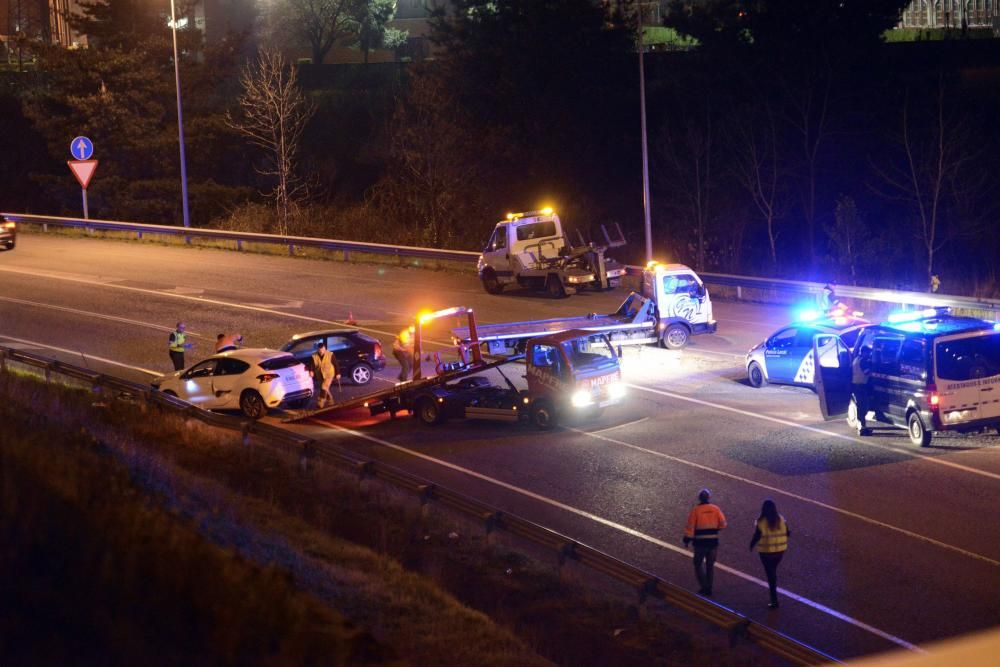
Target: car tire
{"points": [[554, 287], [755, 375], [428, 411], [675, 337], [919, 435], [361, 374], [252, 404], [491, 283], [543, 415], [10, 245]]}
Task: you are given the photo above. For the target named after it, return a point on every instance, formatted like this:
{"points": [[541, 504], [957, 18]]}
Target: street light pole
{"points": [[180, 118], [645, 150]]}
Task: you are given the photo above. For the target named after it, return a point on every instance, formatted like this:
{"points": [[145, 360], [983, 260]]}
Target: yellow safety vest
{"points": [[774, 540], [178, 343]]}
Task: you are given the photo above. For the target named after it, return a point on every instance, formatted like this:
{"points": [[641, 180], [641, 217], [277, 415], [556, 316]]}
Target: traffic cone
{"points": [[350, 318]]}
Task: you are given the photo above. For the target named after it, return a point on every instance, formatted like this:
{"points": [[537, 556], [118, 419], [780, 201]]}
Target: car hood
{"points": [[160, 379]]}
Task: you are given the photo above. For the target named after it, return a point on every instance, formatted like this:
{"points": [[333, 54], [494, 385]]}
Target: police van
{"points": [[926, 371]]}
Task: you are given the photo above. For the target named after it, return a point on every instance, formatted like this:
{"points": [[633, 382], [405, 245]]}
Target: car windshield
{"points": [[592, 353], [850, 336], [277, 363], [968, 358]]}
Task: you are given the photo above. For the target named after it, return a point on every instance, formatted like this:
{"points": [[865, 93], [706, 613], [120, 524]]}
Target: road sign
{"points": [[83, 170], [81, 148]]}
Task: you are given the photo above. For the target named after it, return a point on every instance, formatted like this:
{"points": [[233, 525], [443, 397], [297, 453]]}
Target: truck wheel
{"points": [[919, 435], [755, 374], [428, 411], [491, 283], [543, 415], [555, 287], [675, 337]]}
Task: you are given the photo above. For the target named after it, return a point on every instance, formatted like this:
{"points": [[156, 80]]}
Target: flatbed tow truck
{"points": [[569, 372], [673, 306]]}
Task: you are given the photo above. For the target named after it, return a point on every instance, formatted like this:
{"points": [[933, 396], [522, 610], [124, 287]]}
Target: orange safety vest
{"points": [[772, 540], [704, 523]]}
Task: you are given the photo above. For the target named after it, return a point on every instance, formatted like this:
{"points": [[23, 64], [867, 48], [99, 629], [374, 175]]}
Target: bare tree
{"points": [[755, 165], [320, 24], [273, 115], [931, 176]]}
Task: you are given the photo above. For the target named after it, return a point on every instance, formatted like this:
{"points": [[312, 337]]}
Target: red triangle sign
{"points": [[83, 170]]}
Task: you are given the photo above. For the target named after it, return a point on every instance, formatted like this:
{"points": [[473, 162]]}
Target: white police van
{"points": [[927, 371]]}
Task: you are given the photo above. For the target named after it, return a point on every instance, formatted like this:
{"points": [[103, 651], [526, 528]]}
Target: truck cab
{"points": [[531, 250], [683, 305]]}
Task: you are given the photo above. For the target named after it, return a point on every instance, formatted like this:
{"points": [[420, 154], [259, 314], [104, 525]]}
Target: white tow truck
{"points": [[532, 250], [673, 306]]}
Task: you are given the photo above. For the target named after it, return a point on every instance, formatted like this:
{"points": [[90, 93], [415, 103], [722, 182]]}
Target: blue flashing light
{"points": [[996, 326], [911, 316], [807, 315]]}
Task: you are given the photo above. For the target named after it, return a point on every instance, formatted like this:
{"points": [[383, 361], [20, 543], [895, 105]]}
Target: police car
{"points": [[786, 356], [928, 371]]}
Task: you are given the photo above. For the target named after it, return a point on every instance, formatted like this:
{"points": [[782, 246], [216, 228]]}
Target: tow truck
{"points": [[531, 250], [570, 372], [673, 306]]}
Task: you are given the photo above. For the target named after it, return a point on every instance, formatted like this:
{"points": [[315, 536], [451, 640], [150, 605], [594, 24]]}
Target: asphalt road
{"points": [[891, 545]]}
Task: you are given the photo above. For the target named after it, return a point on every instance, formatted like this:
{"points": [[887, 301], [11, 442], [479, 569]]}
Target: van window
{"points": [[968, 358], [912, 361], [536, 230], [682, 284], [885, 354]]}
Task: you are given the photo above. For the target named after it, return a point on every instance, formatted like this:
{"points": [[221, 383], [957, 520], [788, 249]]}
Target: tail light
{"points": [[267, 377], [378, 350], [933, 398]]}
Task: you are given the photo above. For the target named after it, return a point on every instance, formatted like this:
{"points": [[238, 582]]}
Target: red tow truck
{"points": [[568, 373]]}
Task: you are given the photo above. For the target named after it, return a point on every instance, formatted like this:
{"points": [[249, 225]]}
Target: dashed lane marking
{"points": [[629, 531]]}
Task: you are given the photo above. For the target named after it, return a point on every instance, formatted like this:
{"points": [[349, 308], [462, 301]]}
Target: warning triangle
{"points": [[83, 170]]}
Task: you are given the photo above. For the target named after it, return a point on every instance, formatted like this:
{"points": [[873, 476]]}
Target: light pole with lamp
{"points": [[645, 150], [180, 117]]}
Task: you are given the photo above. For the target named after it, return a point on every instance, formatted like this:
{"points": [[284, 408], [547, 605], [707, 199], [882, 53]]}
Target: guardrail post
{"points": [[567, 553], [492, 521], [245, 434], [239, 244], [365, 471], [3, 361], [305, 456], [45, 227], [138, 236], [48, 374], [425, 493], [291, 250], [739, 292], [347, 255]]}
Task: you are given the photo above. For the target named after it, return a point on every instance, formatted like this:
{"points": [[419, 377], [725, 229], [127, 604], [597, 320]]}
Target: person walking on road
{"points": [[177, 343], [704, 522], [402, 349], [771, 540], [324, 372]]}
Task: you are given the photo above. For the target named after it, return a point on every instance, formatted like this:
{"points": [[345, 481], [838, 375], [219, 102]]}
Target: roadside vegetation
{"points": [[139, 537]]}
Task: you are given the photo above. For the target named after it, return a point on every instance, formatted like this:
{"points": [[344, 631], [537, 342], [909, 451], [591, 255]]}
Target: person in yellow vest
{"points": [[177, 343], [402, 349], [771, 540], [324, 371], [704, 522]]}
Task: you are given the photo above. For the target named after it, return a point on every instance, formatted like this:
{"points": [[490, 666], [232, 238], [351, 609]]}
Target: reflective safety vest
{"points": [[772, 540], [703, 524], [177, 341]]}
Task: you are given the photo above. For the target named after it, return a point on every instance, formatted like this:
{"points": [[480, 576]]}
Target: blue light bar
{"points": [[807, 315], [910, 316]]}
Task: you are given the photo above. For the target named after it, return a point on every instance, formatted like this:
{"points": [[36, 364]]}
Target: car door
{"points": [[832, 375], [196, 384], [228, 382], [344, 351], [890, 393], [496, 254], [779, 357]]}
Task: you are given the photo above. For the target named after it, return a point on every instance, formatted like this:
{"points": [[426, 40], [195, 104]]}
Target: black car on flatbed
{"points": [[358, 355]]}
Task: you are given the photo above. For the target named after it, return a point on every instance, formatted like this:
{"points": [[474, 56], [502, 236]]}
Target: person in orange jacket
{"points": [[704, 522]]}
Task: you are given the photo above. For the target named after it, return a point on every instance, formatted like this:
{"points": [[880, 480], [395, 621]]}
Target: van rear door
{"points": [[967, 375], [832, 376]]}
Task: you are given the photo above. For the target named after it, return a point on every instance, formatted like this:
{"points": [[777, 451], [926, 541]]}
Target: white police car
{"points": [[786, 356]]}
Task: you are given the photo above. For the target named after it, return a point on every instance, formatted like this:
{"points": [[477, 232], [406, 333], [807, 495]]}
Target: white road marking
{"points": [[629, 531], [617, 426], [79, 354], [813, 429], [789, 494], [87, 313]]}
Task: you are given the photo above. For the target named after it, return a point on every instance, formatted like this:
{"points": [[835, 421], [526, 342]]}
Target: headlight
{"points": [[582, 398], [616, 390]]}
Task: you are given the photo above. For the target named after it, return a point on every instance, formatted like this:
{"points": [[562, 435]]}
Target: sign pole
{"points": [[86, 215]]}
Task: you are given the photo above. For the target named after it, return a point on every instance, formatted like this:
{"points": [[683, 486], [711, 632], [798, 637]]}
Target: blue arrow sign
{"points": [[81, 148]]}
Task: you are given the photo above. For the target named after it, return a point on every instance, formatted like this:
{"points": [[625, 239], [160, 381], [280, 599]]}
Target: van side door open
{"points": [[832, 376]]}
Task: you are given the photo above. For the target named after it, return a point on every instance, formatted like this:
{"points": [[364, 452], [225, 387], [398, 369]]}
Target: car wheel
{"points": [[543, 415], [428, 411], [555, 288], [361, 374], [755, 374], [919, 435], [10, 245], [491, 283], [675, 337], [252, 404]]}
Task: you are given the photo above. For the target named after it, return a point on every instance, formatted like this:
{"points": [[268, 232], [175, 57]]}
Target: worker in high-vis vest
{"points": [[771, 540], [177, 343], [704, 522]]}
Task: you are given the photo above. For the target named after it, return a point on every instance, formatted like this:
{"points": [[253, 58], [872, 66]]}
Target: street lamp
{"points": [[645, 150], [180, 117]]}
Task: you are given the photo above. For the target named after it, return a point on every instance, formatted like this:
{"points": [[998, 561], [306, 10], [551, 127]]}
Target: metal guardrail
{"points": [[567, 549], [990, 307]]}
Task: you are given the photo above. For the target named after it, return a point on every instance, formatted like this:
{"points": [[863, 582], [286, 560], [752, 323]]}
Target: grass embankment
{"points": [[139, 534]]}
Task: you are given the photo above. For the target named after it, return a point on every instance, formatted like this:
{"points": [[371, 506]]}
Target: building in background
{"points": [[951, 14]]}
